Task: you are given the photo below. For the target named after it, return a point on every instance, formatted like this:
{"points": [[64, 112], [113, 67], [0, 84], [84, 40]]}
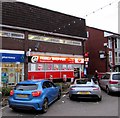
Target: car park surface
{"points": [[34, 94]]}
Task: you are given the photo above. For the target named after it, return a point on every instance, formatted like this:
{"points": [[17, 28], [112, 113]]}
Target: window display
{"points": [[56, 67]]}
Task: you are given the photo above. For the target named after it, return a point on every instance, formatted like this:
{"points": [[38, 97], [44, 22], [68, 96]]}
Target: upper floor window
{"points": [[110, 56], [53, 40], [118, 40], [87, 34], [110, 43], [11, 34]]}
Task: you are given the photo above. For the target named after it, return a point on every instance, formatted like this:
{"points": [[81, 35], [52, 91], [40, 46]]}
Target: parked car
{"points": [[85, 88], [34, 94], [110, 82]]}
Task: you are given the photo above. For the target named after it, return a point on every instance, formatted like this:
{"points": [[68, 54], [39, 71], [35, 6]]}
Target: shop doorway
{"points": [[76, 73]]}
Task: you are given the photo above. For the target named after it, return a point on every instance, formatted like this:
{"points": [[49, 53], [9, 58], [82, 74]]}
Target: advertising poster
{"points": [[11, 75]]}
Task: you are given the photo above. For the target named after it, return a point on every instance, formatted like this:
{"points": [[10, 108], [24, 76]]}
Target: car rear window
{"points": [[26, 87], [116, 77], [81, 81]]}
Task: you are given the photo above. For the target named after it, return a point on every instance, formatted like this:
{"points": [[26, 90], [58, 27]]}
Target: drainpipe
{"points": [[26, 58]]}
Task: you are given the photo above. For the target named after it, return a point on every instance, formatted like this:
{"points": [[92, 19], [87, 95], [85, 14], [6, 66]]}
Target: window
{"points": [[53, 40], [110, 56], [26, 87], [110, 43], [56, 67], [47, 84], [70, 67], [87, 34], [40, 67], [116, 77], [118, 42], [64, 67], [107, 76], [33, 67], [49, 67], [81, 81], [51, 84], [11, 34], [115, 43]]}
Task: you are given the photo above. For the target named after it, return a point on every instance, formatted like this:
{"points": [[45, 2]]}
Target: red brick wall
{"points": [[94, 44]]}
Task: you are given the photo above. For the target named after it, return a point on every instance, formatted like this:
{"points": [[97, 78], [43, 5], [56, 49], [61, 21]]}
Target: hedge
{"points": [[6, 91]]}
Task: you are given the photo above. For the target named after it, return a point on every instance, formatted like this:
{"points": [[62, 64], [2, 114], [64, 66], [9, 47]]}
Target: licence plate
{"points": [[22, 96], [83, 92]]}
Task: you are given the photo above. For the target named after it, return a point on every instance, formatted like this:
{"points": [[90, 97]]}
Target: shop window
{"points": [[29, 67], [64, 67], [40, 67], [70, 67], [56, 67], [33, 67], [49, 67]]}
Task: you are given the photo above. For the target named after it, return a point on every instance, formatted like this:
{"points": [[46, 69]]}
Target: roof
{"points": [[112, 33], [24, 15]]}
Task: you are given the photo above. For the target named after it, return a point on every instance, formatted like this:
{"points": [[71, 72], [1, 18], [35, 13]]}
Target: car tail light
{"points": [[72, 88], [113, 82], [36, 93], [11, 92], [95, 88]]}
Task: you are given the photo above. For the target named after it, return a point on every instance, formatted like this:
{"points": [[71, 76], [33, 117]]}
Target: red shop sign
{"points": [[49, 59]]}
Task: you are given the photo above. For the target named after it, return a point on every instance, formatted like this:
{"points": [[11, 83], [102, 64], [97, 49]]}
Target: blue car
{"points": [[34, 94]]}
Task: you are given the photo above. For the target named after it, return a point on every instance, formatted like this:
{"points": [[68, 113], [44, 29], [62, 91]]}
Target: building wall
{"points": [[94, 44], [25, 18], [56, 48], [24, 44]]}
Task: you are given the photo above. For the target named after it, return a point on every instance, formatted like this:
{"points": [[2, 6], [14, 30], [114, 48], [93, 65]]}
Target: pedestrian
{"points": [[96, 76]]}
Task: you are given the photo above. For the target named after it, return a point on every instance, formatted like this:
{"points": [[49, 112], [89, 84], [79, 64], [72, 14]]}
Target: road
{"points": [[65, 107]]}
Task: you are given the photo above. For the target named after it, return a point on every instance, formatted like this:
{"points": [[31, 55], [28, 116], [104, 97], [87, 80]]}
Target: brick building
{"points": [[104, 50], [55, 38]]}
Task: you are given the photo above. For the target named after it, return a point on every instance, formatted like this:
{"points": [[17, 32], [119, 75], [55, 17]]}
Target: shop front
{"points": [[55, 67], [12, 66]]}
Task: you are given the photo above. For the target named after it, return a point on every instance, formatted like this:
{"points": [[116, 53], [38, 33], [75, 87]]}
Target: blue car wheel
{"points": [[45, 106]]}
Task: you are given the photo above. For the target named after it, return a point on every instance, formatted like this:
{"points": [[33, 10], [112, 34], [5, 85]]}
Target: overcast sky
{"points": [[105, 15]]}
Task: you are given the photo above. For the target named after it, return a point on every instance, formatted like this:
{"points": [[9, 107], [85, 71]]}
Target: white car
{"points": [[84, 88], [110, 82]]}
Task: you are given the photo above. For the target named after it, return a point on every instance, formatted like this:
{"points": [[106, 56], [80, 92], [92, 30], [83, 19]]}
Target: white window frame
{"points": [[110, 57], [110, 43]]}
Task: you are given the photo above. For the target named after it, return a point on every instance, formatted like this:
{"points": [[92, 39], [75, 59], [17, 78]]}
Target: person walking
{"points": [[96, 77]]}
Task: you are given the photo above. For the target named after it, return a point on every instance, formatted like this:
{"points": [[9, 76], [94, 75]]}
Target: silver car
{"points": [[110, 82], [84, 88]]}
